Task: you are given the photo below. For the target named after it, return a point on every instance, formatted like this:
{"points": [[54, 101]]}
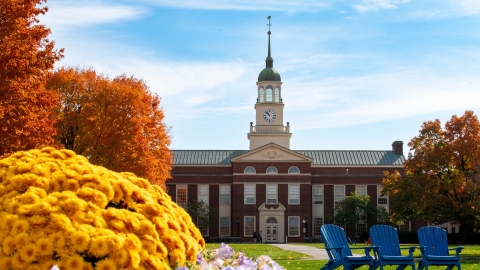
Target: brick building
{"points": [[285, 193]]}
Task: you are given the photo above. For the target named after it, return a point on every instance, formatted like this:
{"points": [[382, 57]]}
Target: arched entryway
{"points": [[271, 230], [272, 219]]}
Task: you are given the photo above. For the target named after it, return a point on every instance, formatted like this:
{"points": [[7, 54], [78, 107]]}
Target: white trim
{"points": [[208, 193], [298, 225], [176, 192], [294, 185], [276, 193], [254, 193], [244, 225]]}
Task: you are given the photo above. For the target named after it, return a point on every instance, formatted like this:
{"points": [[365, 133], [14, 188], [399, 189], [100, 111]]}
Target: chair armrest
{"points": [[367, 249], [410, 250], [457, 250]]}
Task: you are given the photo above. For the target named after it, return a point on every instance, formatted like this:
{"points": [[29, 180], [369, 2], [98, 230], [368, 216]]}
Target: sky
{"points": [[357, 74]]}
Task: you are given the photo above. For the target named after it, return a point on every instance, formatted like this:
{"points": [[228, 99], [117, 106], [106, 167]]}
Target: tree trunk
{"points": [[465, 230]]}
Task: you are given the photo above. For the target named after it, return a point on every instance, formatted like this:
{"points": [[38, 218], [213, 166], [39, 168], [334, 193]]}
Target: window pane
{"points": [[203, 226], [272, 169], [277, 94], [293, 226], [271, 194], [203, 193], [269, 94], [224, 195], [381, 199], [317, 224], [317, 194], [181, 194], [261, 95], [293, 170], [293, 195], [362, 190], [249, 169], [224, 226], [339, 193], [249, 226], [249, 194]]}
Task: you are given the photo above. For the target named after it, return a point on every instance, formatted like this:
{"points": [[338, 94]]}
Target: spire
{"points": [[269, 60]]}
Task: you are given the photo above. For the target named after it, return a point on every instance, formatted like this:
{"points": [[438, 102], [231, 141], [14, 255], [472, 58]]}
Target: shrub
{"points": [[58, 209]]}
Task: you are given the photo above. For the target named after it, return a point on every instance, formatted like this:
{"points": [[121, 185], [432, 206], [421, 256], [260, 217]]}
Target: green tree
{"points": [[353, 209], [442, 178], [201, 213]]}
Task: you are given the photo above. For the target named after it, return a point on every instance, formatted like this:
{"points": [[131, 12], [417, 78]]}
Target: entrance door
{"points": [[271, 233]]}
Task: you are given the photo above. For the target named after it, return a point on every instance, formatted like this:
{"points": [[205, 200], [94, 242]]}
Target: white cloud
{"points": [[62, 13], [374, 5]]}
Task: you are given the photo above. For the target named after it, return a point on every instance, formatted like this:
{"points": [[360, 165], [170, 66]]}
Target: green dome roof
{"points": [[269, 74]]}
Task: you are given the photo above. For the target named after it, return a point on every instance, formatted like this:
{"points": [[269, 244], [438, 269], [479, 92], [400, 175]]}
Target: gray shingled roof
{"points": [[320, 157]]}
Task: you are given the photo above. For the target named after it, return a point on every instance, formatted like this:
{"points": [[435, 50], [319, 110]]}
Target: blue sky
{"points": [[357, 74]]}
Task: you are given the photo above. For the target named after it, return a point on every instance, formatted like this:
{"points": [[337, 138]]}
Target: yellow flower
{"points": [[20, 226], [74, 262], [8, 246], [45, 246], [118, 194], [106, 264], [28, 253], [34, 267], [98, 247], [37, 220], [61, 221], [18, 262], [93, 195], [6, 262], [71, 185], [120, 256], [21, 240], [58, 240], [80, 241]]}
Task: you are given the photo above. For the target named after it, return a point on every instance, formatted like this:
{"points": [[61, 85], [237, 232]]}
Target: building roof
{"points": [[320, 157]]}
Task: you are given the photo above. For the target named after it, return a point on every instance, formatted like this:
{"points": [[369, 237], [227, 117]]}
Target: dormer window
{"points": [[277, 94], [249, 170], [272, 170], [269, 94], [261, 94], [293, 170]]}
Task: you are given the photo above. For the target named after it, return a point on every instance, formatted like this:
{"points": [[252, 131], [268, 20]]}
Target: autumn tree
{"points": [[442, 178], [26, 58], [353, 209], [116, 123]]}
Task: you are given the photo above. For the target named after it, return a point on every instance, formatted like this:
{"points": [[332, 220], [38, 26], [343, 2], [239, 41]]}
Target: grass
{"points": [[292, 260]]}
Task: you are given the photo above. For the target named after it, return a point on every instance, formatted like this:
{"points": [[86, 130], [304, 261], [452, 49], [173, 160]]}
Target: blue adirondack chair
{"points": [[385, 238], [340, 252], [434, 248]]}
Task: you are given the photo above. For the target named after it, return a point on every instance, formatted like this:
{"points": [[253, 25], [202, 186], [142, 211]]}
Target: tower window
{"points": [[293, 170], [277, 94], [269, 94], [249, 170], [261, 95]]}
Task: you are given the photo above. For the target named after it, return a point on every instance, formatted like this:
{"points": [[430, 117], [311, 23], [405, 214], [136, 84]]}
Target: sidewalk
{"points": [[315, 253]]}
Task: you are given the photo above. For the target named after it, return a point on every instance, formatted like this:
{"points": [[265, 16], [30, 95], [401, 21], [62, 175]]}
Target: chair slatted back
{"points": [[385, 237], [434, 239], [334, 236]]}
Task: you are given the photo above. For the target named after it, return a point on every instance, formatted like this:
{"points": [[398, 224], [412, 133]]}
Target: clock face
{"points": [[269, 115]]}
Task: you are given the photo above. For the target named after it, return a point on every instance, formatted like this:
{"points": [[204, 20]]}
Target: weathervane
{"points": [[269, 24]]}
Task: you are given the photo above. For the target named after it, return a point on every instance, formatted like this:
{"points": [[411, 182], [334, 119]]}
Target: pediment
{"points": [[272, 152]]}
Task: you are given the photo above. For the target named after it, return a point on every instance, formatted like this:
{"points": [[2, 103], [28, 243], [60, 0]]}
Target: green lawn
{"points": [[293, 260]]}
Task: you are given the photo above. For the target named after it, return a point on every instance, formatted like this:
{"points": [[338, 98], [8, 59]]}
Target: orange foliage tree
{"points": [[442, 178], [26, 58], [116, 123]]}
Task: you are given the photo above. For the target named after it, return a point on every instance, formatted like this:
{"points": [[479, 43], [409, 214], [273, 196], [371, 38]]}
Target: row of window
{"points": [[271, 170], [272, 194], [269, 95]]}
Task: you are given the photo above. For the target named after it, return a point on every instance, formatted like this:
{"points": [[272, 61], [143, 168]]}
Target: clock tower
{"points": [[269, 108]]}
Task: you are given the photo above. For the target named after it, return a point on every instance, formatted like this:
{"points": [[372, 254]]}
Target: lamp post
{"points": [[238, 227]]}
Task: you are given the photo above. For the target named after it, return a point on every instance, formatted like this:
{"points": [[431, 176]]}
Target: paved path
{"points": [[316, 253]]}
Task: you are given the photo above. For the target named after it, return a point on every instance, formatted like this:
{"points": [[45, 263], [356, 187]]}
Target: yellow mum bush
{"points": [[58, 209]]}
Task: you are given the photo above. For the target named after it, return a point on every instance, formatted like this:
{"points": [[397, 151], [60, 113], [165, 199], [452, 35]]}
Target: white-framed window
{"points": [[293, 226], [317, 224], [382, 200], [261, 95], [271, 194], [277, 94], [224, 195], [248, 226], [293, 170], [272, 169], [293, 194], [203, 193], [269, 94], [317, 194], [405, 226], [181, 194], [361, 190], [249, 170], [339, 193], [224, 226], [249, 191]]}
